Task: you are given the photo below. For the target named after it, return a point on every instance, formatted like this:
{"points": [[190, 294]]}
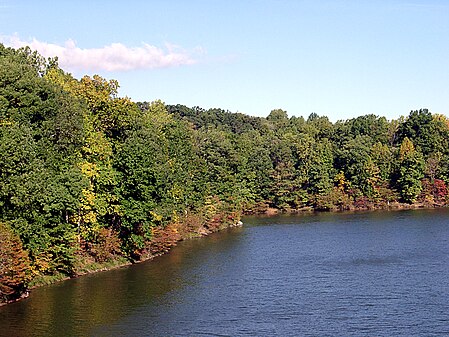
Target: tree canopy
{"points": [[87, 175]]}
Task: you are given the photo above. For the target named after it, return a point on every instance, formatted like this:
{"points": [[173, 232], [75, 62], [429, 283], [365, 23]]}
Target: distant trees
{"points": [[411, 171]]}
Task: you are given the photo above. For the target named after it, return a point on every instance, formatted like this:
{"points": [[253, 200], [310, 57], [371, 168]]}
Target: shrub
{"points": [[14, 265]]}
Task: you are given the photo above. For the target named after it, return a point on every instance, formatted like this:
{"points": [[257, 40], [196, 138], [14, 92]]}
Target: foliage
{"points": [[14, 265], [85, 173], [411, 171]]}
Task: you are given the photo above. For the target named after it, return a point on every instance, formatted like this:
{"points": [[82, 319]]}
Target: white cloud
{"points": [[114, 57]]}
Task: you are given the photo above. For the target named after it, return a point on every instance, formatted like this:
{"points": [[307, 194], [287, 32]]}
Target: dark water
{"points": [[372, 274]]}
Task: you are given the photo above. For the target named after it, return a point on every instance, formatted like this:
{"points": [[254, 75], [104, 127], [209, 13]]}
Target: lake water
{"points": [[373, 274]]}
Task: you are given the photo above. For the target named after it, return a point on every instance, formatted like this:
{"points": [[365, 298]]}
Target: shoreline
{"points": [[370, 207], [121, 262], [268, 211]]}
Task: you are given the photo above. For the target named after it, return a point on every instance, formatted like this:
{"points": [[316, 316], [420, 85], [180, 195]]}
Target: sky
{"points": [[340, 58]]}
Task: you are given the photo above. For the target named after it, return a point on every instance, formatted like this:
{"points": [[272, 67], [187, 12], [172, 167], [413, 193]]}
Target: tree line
{"points": [[88, 177]]}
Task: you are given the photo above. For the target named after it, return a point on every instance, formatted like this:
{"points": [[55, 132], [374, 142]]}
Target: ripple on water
{"points": [[335, 275]]}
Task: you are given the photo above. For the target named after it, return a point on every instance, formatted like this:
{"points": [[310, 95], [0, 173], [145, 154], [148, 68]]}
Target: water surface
{"points": [[375, 274]]}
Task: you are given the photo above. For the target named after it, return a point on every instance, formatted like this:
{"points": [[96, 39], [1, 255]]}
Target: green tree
{"points": [[411, 171], [283, 176], [321, 171], [426, 132], [354, 160], [41, 135]]}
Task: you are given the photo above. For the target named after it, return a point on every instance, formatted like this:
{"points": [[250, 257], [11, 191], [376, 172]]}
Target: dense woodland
{"points": [[89, 178]]}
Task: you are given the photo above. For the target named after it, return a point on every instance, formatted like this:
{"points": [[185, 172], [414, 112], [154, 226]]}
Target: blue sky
{"points": [[340, 59]]}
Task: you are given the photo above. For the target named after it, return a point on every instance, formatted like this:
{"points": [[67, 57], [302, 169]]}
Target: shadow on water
{"points": [[74, 307]]}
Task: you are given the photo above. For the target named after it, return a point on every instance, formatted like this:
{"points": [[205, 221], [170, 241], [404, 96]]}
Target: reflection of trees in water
{"points": [[77, 306]]}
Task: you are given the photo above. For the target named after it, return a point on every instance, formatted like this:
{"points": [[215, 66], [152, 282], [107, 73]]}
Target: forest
{"points": [[90, 180]]}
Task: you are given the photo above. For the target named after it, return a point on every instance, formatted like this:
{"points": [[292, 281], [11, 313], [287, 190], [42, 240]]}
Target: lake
{"points": [[328, 274]]}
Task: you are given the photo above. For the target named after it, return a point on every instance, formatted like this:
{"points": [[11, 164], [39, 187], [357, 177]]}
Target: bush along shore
{"points": [[16, 279], [91, 181]]}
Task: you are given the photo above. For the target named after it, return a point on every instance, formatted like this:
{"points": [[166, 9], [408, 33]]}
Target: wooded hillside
{"points": [[88, 177]]}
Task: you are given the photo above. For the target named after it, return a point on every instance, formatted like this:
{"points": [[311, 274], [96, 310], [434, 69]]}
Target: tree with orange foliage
{"points": [[14, 266]]}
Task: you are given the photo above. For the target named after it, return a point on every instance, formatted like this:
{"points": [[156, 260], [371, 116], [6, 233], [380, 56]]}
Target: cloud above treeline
{"points": [[113, 57]]}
